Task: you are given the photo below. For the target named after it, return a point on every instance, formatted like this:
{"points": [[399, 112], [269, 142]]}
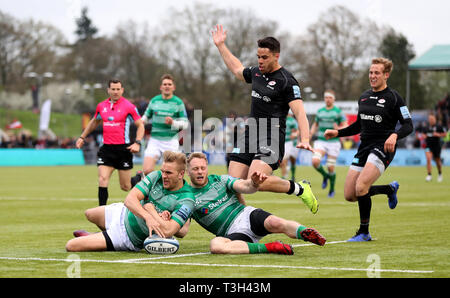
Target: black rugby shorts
{"points": [[365, 149], [262, 147], [116, 156]]}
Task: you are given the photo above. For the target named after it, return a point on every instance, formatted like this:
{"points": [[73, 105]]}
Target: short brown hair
{"points": [[167, 77], [388, 65], [114, 81], [197, 155], [177, 157]]}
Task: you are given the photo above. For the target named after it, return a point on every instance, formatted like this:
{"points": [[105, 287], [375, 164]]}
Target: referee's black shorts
{"points": [[264, 147], [116, 156]]}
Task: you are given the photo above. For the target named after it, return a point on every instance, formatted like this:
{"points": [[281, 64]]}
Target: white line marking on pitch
{"points": [[152, 260], [217, 265]]}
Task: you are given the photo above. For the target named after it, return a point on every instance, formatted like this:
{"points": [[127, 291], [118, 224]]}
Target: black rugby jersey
{"points": [[271, 93], [378, 114], [432, 140]]}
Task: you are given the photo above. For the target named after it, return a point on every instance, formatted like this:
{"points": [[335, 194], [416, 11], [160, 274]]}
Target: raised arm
{"points": [[233, 63], [303, 124]]}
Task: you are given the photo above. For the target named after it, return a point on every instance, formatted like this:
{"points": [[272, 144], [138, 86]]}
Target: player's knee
{"points": [[316, 159], [315, 162], [71, 245], [217, 247], [89, 213], [103, 181], [350, 195], [350, 198], [361, 189], [274, 224]]}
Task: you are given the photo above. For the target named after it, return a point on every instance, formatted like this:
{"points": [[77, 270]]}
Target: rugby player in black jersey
{"points": [[379, 111], [274, 92], [433, 132]]}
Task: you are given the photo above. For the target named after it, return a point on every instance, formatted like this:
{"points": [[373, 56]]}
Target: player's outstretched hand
{"points": [[305, 146], [330, 134], [219, 35], [258, 178]]}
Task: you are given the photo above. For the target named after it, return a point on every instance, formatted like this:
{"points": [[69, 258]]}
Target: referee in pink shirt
{"points": [[117, 114]]}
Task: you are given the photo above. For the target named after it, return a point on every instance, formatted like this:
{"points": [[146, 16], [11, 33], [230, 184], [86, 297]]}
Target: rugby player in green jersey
{"points": [[328, 117], [238, 228], [126, 225], [167, 114]]}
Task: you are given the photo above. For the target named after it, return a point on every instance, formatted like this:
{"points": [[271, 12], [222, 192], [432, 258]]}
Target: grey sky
{"points": [[424, 23]]}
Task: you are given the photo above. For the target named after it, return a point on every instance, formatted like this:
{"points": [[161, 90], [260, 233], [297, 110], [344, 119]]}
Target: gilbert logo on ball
{"points": [[161, 246]]}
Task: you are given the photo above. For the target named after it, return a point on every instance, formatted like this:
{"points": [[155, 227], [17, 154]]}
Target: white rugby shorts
{"points": [[115, 227], [330, 148], [242, 225], [155, 148], [290, 150]]}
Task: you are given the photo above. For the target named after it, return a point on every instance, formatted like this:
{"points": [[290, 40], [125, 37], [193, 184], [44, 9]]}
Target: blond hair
{"points": [[196, 155], [388, 65], [177, 157]]}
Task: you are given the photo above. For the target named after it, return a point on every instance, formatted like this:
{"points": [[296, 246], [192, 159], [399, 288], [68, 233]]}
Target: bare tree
{"points": [[340, 46], [187, 48], [24, 47], [136, 59]]}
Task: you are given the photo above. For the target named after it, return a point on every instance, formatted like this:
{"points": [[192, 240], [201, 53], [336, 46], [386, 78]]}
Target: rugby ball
{"points": [[161, 246]]}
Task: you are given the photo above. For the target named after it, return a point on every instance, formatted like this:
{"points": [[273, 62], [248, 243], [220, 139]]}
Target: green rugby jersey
{"points": [[180, 203], [291, 124], [216, 204], [325, 119], [158, 109]]}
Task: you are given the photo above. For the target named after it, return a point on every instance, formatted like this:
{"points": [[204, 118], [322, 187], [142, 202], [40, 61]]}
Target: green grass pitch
{"points": [[40, 207]]}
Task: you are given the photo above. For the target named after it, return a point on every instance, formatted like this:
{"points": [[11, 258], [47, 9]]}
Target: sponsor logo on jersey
{"points": [[112, 124], [271, 84], [381, 103], [258, 96], [405, 112], [297, 93], [376, 118]]}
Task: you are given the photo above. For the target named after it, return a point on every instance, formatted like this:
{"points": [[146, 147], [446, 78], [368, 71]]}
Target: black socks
{"points": [[365, 206], [102, 195], [381, 189]]}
